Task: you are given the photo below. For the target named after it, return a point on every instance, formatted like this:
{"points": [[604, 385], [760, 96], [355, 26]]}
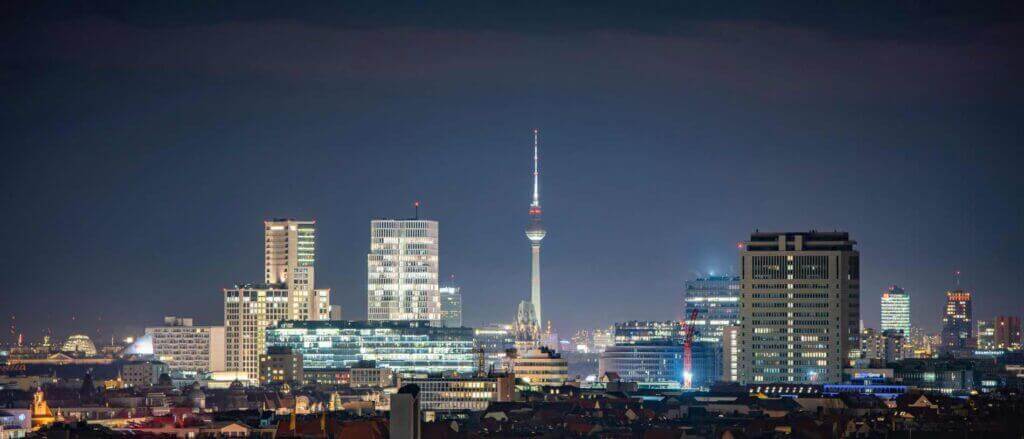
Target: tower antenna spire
{"points": [[536, 168]]}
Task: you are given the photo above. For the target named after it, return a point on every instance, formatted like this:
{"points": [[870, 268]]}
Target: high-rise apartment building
{"points": [[800, 306], [716, 299], [451, 304], [1007, 334], [402, 265], [896, 310], [957, 329], [248, 310], [188, 348]]}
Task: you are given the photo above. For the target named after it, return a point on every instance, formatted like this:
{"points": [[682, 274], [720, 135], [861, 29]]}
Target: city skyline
{"points": [[146, 151]]}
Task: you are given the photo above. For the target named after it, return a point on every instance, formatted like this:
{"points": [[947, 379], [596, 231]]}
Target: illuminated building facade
{"points": [[288, 293], [402, 282], [402, 346], [281, 365], [451, 304], [648, 363], [716, 299], [540, 367], [896, 310], [494, 340], [1007, 332], [248, 310], [957, 327], [801, 306], [458, 394], [639, 331], [289, 259], [986, 334], [79, 344], [731, 354], [188, 348]]}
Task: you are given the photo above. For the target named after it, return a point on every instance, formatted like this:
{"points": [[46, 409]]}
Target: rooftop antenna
{"points": [[536, 169], [956, 278], [416, 205]]}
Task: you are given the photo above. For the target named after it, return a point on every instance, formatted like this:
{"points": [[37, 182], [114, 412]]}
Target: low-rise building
{"points": [[145, 373], [403, 346], [281, 365], [540, 367], [186, 347], [367, 374], [453, 394]]}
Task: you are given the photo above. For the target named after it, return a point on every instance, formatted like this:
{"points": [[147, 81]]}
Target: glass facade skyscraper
{"points": [[717, 301], [451, 305], [896, 310]]}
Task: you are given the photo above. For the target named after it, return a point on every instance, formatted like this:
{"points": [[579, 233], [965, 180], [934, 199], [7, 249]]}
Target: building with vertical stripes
{"points": [[799, 306]]}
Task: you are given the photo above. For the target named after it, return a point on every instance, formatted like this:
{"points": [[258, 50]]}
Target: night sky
{"points": [[144, 145]]}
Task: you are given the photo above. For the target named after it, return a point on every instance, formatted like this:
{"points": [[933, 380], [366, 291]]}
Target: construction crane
{"points": [[687, 327]]}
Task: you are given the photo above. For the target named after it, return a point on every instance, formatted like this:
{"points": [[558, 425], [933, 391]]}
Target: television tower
{"points": [[535, 231]]}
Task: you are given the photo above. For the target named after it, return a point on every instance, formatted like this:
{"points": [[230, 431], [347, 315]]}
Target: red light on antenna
{"points": [[416, 204]]}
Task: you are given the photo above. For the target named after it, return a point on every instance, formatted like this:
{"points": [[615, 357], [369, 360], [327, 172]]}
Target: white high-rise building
{"points": [[189, 348], [402, 270], [896, 310]]}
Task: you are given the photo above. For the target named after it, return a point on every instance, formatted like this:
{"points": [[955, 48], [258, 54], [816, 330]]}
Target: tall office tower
{"points": [[535, 233], [716, 299], [986, 334], [957, 331], [290, 252], [248, 310], [896, 310], [402, 270], [290, 256], [800, 296], [288, 293], [1007, 332], [451, 304]]}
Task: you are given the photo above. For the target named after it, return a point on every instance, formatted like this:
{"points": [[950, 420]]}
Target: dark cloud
{"points": [[943, 20]]}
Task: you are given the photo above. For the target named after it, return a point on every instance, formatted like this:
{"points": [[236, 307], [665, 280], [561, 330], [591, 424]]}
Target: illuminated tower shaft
{"points": [[535, 232]]}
